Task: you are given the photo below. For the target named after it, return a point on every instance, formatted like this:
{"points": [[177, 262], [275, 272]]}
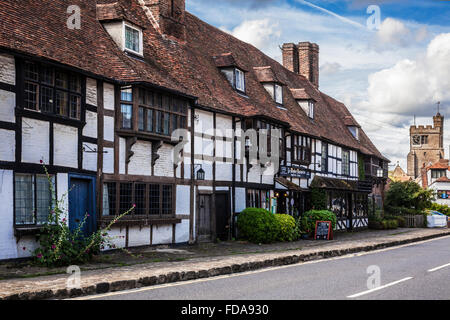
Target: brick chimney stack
{"points": [[170, 16], [303, 59]]}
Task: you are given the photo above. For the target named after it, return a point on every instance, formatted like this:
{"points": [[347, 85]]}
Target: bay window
{"points": [[301, 149]]}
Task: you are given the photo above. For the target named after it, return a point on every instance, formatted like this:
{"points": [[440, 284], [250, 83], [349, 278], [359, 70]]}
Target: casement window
{"points": [[152, 200], [133, 39], [51, 90], [345, 162], [311, 106], [301, 149], [258, 198], [32, 198], [236, 77], [276, 91], [126, 108], [436, 174], [324, 158], [161, 114], [261, 124], [354, 131]]}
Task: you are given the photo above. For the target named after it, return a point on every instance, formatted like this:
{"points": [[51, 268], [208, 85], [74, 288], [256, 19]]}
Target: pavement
{"points": [[101, 281], [418, 271]]}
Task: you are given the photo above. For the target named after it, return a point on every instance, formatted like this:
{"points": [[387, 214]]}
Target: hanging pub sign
{"points": [[294, 172], [323, 231]]}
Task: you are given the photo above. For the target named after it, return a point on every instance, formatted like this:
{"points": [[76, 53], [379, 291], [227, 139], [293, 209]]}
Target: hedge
{"points": [[309, 218], [261, 226]]}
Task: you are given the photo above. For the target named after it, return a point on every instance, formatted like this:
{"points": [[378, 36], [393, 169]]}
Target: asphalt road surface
{"points": [[417, 271]]}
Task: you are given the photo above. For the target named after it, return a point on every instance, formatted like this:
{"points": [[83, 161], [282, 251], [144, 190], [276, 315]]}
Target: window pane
{"points": [[43, 198], [142, 97], [158, 122], [166, 103], [75, 83], [139, 199], [126, 94], [24, 198], [31, 71], [166, 123], [126, 111], [46, 99], [167, 200], [62, 101], [174, 122], [149, 127], [126, 194], [47, 76], [30, 95], [62, 80], [154, 199], [131, 39], [278, 94], [141, 119], [240, 80], [183, 122], [109, 199], [75, 104]]}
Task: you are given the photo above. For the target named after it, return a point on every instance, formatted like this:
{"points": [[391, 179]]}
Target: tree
{"points": [[408, 195]]}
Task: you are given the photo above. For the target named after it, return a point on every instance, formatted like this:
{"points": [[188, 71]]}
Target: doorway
{"points": [[82, 204], [209, 227], [223, 215]]}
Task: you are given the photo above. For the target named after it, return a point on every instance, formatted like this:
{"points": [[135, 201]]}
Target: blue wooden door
{"points": [[80, 204]]}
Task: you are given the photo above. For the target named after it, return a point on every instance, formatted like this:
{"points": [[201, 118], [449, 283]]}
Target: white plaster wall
{"points": [[162, 234], [254, 174], [90, 158], [240, 199], [35, 141], [141, 161], [8, 247], [117, 237], [108, 160], [138, 236], [62, 189], [182, 231], [7, 145], [7, 105], [90, 129], [108, 127], [164, 165], [122, 155], [91, 91], [115, 30], [7, 69], [183, 200], [224, 172], [108, 96], [65, 146]]}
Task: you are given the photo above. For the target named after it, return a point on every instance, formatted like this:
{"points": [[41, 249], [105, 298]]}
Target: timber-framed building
{"points": [[98, 106]]}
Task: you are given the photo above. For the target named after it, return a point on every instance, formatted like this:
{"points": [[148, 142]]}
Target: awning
{"points": [[289, 185], [335, 184]]}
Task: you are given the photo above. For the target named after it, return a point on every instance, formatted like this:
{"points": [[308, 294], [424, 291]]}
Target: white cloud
{"points": [[329, 68], [260, 33]]}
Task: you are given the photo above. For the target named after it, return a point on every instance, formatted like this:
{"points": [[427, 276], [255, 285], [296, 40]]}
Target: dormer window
{"points": [[236, 77], [276, 91], [311, 105], [133, 39]]}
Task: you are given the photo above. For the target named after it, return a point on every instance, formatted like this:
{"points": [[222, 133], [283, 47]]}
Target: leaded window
{"points": [[345, 163], [32, 198], [301, 149], [51, 90], [151, 200], [133, 39]]}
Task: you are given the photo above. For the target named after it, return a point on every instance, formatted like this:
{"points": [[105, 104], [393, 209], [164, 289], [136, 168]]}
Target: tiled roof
{"points": [[300, 94], [441, 164], [265, 74], [38, 28]]}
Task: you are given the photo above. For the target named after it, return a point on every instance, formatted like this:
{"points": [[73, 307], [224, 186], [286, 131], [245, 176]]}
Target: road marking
{"points": [[379, 288], [439, 268], [352, 255]]}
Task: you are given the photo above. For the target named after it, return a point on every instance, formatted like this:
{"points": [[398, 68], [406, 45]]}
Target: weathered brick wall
{"points": [[309, 61]]}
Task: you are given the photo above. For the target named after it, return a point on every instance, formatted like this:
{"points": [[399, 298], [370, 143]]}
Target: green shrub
{"points": [[442, 208], [318, 199], [308, 220], [286, 225], [258, 225]]}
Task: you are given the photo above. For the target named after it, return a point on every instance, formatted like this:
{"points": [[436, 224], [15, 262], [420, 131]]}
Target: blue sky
{"points": [[385, 75]]}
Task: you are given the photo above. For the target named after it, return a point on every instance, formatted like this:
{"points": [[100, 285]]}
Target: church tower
{"points": [[426, 145]]}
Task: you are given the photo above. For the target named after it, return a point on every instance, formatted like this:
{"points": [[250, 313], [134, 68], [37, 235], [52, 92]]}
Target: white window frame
{"points": [[141, 41], [237, 74], [276, 98], [311, 106]]}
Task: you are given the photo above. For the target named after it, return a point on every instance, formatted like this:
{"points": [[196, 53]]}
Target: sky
{"points": [[387, 70]]}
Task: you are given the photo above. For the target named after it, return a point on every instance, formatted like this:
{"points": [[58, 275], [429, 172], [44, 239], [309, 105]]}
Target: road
{"points": [[417, 271]]}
